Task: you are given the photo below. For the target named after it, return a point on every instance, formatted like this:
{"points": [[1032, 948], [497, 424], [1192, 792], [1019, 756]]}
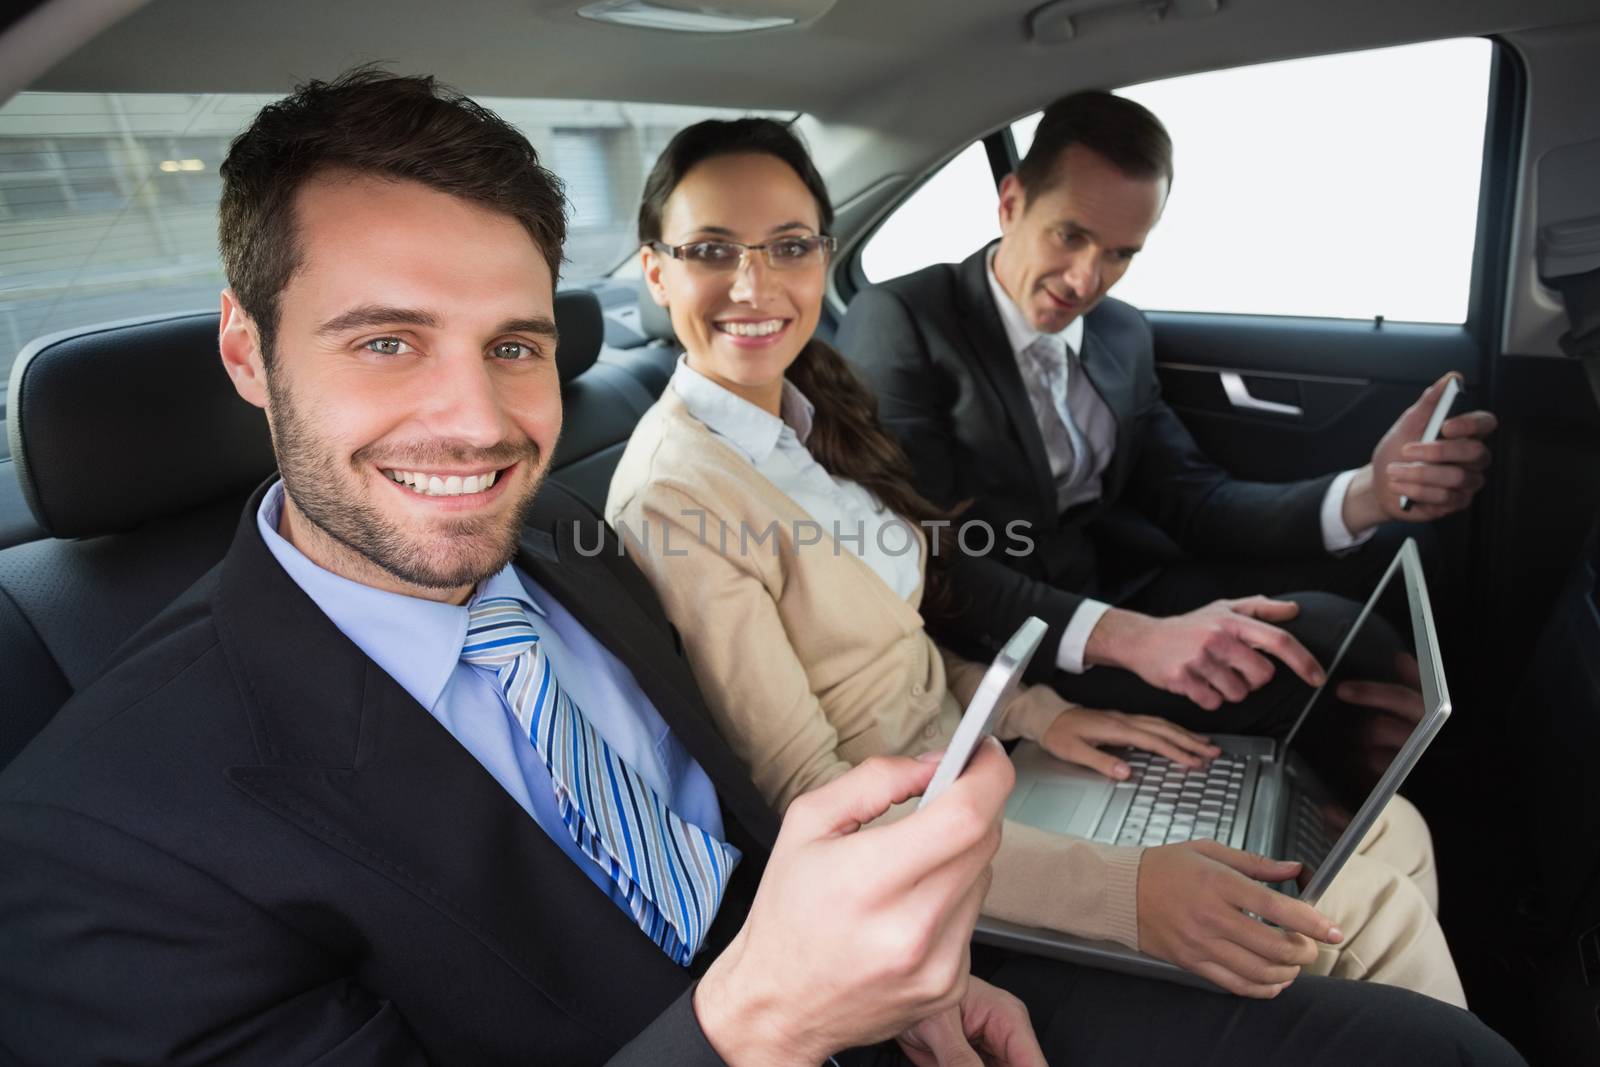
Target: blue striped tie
{"points": [[671, 872]]}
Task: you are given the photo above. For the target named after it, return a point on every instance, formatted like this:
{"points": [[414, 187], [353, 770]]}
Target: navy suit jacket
{"points": [[246, 842], [933, 348]]}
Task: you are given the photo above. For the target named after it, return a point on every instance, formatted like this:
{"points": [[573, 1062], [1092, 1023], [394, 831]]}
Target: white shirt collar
{"points": [[1018, 332], [753, 431]]}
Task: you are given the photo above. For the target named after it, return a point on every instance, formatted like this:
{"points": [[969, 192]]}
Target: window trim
{"points": [[1497, 203], [849, 275]]}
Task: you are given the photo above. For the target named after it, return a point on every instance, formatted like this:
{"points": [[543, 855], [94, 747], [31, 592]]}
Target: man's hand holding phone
{"points": [[1417, 478], [858, 934]]}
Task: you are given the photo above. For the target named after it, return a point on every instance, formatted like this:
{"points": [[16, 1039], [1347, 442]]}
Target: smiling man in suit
{"points": [[408, 778], [1017, 385]]}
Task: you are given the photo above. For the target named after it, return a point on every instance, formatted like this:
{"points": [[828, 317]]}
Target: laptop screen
{"points": [[1385, 681]]}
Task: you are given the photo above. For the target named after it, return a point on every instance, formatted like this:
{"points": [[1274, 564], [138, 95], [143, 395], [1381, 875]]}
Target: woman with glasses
{"points": [[776, 519]]}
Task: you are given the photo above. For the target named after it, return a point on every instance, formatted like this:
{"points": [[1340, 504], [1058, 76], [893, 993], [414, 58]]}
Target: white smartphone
{"points": [[1441, 412], [994, 693]]}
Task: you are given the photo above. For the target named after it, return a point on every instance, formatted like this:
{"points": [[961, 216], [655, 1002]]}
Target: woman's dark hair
{"points": [[1125, 133], [846, 437], [695, 144], [369, 122]]}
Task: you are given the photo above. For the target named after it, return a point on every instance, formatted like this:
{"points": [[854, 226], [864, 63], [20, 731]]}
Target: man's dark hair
{"points": [[369, 122], [705, 140], [1124, 132]]}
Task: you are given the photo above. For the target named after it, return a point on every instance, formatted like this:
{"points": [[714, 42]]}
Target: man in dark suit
{"points": [[301, 820], [408, 778], [1014, 383]]}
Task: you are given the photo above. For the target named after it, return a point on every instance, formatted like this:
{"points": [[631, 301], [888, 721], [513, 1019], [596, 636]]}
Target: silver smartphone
{"points": [[1441, 411], [999, 685]]}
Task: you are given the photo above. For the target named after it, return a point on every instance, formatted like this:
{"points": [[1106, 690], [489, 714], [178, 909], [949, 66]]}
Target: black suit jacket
{"points": [[247, 842], [932, 346]]}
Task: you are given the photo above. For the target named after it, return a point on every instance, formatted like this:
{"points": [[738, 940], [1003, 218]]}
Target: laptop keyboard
{"points": [[1173, 803]]}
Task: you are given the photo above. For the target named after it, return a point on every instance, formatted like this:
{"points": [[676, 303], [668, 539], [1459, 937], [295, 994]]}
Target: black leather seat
{"points": [[135, 455], [602, 397]]}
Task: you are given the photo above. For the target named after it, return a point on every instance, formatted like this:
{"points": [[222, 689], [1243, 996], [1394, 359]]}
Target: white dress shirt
{"points": [[1059, 395], [1097, 427], [776, 446]]}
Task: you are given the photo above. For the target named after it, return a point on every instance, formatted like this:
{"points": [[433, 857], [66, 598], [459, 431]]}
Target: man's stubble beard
{"points": [[316, 484]]}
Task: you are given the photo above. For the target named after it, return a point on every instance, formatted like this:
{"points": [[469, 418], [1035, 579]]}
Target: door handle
{"points": [[1239, 396]]}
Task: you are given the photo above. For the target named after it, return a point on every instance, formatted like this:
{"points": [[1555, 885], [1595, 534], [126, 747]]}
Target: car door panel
{"points": [[1306, 396]]}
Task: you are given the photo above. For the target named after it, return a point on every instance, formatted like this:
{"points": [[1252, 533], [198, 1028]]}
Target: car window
{"points": [[949, 215], [1341, 186], [108, 201]]}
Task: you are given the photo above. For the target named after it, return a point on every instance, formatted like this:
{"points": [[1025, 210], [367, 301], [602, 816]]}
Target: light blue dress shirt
{"points": [[418, 644], [776, 446]]}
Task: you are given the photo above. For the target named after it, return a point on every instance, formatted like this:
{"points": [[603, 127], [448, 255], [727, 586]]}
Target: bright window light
{"points": [[1342, 186], [953, 213]]}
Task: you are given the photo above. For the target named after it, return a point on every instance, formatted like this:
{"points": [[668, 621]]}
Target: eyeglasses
{"points": [[784, 253]]}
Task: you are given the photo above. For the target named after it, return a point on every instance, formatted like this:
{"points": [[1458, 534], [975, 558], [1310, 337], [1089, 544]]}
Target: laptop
{"points": [[1259, 794]]}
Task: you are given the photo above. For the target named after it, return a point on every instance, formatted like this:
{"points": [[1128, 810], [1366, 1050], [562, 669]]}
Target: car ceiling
{"points": [[909, 65], [895, 85]]}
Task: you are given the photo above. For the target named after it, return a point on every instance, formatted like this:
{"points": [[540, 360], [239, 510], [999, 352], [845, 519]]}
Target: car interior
{"points": [[127, 455]]}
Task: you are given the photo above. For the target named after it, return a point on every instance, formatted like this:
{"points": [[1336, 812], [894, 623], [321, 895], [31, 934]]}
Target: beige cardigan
{"points": [[810, 662]]}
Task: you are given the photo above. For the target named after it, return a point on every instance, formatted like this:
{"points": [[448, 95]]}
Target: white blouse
{"points": [[849, 516]]}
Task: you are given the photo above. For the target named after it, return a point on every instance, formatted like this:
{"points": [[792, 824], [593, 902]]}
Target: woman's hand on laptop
{"points": [[1193, 899], [1077, 735]]}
